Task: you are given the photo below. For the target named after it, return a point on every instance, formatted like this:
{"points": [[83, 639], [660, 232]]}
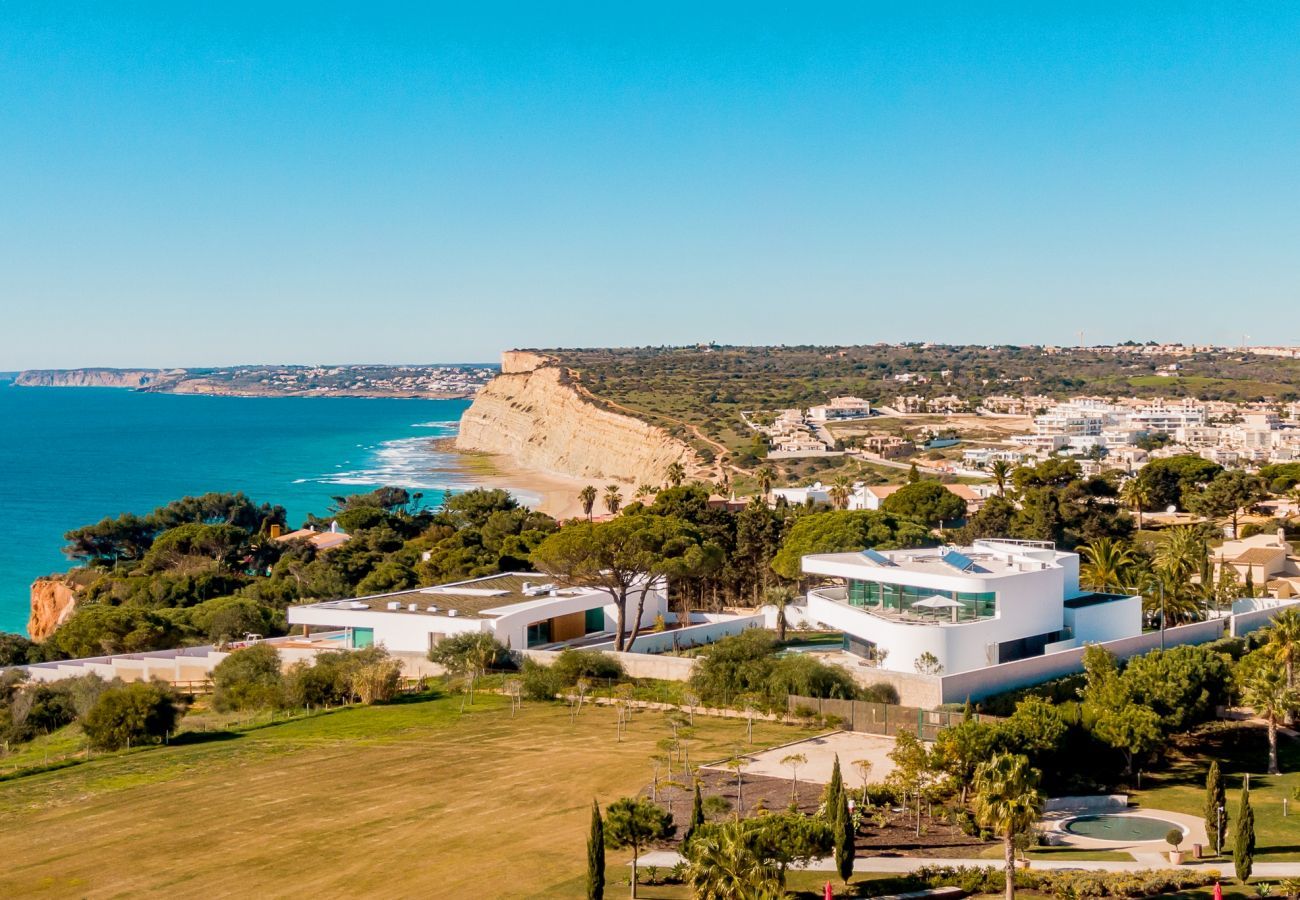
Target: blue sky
{"points": [[219, 183]]}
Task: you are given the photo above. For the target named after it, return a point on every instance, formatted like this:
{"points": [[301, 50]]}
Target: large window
{"points": [[362, 638], [539, 633], [901, 598], [594, 620]]}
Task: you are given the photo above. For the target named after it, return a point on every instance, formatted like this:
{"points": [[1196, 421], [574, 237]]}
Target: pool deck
{"points": [[1193, 830]]}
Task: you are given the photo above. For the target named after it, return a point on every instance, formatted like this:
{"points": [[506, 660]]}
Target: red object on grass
{"points": [[829, 893], [1218, 891]]}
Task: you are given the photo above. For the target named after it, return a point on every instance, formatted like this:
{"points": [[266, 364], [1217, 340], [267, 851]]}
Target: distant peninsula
{"points": [[425, 381]]}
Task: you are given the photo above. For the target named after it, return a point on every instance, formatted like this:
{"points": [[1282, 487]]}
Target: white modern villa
{"points": [[967, 607], [522, 610]]}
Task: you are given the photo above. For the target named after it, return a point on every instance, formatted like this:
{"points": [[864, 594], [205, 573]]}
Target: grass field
{"points": [[1180, 786], [414, 798]]}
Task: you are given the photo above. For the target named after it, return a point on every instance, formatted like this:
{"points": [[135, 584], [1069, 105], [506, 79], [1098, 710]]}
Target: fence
{"points": [[1252, 614], [880, 718]]}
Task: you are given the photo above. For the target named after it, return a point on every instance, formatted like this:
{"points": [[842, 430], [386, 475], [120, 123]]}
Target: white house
{"points": [[967, 607], [840, 408], [522, 610]]}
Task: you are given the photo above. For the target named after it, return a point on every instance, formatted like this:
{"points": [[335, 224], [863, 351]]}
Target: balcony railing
{"points": [[910, 616]]}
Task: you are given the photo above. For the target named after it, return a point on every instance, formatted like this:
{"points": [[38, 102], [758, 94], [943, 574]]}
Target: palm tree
{"points": [[765, 476], [1284, 641], [780, 596], [840, 492], [587, 497], [613, 498], [1180, 552], [1001, 471], [1135, 495], [1265, 690], [676, 474], [1108, 564], [723, 867], [644, 492], [1284, 646], [1007, 802]]}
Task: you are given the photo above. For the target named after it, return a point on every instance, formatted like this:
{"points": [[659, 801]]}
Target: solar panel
{"points": [[959, 561], [876, 557]]}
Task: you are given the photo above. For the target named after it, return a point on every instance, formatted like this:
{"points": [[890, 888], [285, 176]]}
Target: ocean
{"points": [[71, 456]]}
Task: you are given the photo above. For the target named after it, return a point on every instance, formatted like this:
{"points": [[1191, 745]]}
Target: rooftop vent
{"points": [[394, 604], [412, 606], [537, 590], [433, 609], [451, 612]]}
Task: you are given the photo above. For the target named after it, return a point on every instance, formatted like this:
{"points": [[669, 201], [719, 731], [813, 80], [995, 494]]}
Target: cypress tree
{"points": [[1216, 824], [968, 711], [596, 856], [844, 837], [1250, 582], [834, 791], [697, 816], [1243, 842]]}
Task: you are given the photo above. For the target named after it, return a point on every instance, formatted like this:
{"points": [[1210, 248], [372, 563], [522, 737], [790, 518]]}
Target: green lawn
{"points": [[413, 798], [1180, 787]]}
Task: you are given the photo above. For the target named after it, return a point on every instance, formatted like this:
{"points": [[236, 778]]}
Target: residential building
{"points": [[1269, 560], [964, 608], [521, 610], [840, 408], [324, 540]]}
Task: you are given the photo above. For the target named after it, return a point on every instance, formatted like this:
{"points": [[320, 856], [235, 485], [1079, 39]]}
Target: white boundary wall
{"points": [[1253, 614], [709, 628], [637, 665], [977, 684]]}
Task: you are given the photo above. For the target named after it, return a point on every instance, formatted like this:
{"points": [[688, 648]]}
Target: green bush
{"points": [[537, 682], [130, 715], [248, 679], [572, 664]]}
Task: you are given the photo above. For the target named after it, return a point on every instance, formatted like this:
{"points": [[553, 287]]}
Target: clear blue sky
{"points": [[207, 183]]}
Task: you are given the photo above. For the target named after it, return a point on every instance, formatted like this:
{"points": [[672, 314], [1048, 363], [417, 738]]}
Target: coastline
{"points": [[555, 495]]}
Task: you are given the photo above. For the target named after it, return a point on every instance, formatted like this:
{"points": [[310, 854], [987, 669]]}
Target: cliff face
{"points": [[53, 602], [119, 378], [530, 414]]}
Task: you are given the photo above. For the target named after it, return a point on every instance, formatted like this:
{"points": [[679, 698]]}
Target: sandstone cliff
{"points": [[119, 378], [53, 601], [533, 415]]}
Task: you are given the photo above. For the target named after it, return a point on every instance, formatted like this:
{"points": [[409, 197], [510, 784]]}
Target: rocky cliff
{"points": [[534, 415], [119, 378], [53, 601]]}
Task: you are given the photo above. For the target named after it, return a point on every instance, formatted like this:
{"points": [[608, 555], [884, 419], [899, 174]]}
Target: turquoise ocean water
{"points": [[70, 456]]}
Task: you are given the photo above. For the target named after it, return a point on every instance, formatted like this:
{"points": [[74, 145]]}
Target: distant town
{"points": [[441, 381]]}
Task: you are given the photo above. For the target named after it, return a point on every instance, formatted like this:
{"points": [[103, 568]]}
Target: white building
{"points": [[840, 408], [521, 610], [969, 607]]}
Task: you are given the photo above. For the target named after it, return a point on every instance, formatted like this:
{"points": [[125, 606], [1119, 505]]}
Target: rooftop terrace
{"points": [[476, 598]]}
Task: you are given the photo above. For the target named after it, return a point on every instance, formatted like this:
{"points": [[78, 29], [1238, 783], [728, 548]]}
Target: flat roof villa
{"points": [[969, 607], [523, 610]]}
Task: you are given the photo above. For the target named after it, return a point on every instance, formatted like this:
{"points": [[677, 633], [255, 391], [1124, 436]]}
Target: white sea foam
{"points": [[411, 463]]}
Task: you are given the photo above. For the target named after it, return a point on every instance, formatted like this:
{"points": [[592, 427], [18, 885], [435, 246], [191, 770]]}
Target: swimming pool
{"points": [[1121, 829]]}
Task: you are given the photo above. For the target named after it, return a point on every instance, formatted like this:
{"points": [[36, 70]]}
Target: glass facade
{"points": [[901, 598], [362, 638], [539, 633], [594, 620]]}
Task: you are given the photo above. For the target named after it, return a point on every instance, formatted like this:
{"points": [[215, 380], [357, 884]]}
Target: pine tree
{"points": [[596, 856], [844, 839], [834, 791], [697, 816], [1216, 823], [1243, 842]]}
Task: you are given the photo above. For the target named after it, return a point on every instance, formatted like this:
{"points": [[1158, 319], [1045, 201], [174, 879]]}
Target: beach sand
{"points": [[555, 495]]}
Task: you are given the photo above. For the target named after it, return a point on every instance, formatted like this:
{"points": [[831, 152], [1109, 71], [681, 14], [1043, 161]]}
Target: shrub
{"points": [[879, 693], [373, 676], [537, 681], [248, 679], [572, 664], [140, 713]]}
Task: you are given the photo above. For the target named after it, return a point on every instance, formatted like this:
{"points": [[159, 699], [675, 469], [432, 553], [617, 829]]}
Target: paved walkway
{"points": [[666, 859]]}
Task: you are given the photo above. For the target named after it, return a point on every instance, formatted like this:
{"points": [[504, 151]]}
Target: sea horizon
{"points": [[70, 456]]}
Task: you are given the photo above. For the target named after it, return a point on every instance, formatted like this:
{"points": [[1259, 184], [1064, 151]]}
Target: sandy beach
{"points": [[555, 495]]}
